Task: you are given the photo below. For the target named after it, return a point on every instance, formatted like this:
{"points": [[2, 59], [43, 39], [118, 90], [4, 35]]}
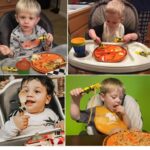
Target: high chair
{"points": [[8, 23], [9, 101], [97, 16], [131, 107]]}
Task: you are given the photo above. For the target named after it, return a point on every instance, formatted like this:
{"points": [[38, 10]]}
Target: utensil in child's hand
{"points": [[22, 98], [91, 88], [118, 39], [29, 44], [93, 35]]}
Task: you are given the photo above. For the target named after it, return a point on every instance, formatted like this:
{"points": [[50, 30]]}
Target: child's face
{"points": [[27, 21], [112, 99], [36, 96], [113, 20]]}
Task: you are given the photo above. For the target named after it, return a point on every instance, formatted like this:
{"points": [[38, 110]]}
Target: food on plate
{"points": [[130, 138], [46, 62], [30, 44], [46, 139], [110, 53], [142, 53]]}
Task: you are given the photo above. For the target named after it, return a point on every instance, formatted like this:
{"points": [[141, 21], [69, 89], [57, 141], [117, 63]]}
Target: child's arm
{"points": [[5, 50], [130, 37], [93, 36], [13, 126], [124, 116], [75, 103], [21, 121]]}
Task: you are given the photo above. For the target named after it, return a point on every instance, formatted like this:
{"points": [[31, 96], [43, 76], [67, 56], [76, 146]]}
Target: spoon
{"points": [[22, 98]]}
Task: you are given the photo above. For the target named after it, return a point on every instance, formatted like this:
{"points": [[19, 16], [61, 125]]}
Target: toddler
{"points": [[113, 29], [23, 37], [35, 93], [109, 118]]}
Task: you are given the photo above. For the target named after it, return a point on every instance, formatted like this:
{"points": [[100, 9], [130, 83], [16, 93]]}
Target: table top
{"points": [[60, 49], [85, 140]]}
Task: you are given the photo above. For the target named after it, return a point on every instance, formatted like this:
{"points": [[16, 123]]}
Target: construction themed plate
{"points": [[46, 62]]}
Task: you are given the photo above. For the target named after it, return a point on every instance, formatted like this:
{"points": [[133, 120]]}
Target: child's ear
{"points": [[101, 95], [16, 17], [38, 19], [48, 99]]}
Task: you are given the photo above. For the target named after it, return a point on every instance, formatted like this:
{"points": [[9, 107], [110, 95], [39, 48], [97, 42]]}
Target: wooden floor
{"points": [[59, 25]]}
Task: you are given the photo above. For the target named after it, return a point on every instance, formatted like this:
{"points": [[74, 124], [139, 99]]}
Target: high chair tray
{"points": [[133, 62]]}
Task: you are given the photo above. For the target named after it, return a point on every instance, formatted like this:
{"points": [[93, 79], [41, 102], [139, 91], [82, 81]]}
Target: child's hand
{"points": [[130, 37], [115, 130], [120, 110], [49, 39], [5, 50], [76, 94], [21, 121], [60, 124], [93, 36]]}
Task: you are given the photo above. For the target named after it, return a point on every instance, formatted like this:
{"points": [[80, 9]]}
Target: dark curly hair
{"points": [[44, 80]]}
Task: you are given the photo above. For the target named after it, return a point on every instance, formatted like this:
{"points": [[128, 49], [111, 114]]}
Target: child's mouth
{"points": [[29, 102]]}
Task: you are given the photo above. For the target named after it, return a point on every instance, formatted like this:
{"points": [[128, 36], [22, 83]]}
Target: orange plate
{"points": [[46, 62], [128, 138], [110, 53]]}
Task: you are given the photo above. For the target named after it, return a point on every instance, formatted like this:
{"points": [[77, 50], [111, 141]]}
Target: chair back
{"points": [[8, 23]]}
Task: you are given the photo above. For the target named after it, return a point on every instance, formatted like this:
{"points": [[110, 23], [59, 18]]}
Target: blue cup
{"points": [[79, 46]]}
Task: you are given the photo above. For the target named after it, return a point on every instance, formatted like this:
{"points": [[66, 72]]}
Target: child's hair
{"points": [[44, 80], [111, 83], [31, 6], [115, 7]]}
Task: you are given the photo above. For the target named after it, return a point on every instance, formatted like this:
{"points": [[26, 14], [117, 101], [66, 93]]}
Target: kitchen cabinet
{"points": [[7, 5], [78, 21]]}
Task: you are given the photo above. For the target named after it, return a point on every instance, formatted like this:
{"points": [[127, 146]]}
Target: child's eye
{"points": [[22, 17], [36, 91], [113, 97], [31, 18]]}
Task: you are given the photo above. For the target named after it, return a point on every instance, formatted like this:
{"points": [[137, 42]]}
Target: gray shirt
{"points": [[17, 38]]}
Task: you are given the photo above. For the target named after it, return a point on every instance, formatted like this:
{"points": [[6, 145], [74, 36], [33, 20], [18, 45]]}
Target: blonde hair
{"points": [[31, 6], [115, 7], [109, 84]]}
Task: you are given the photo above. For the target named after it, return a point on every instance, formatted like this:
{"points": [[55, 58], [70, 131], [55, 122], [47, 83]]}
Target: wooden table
{"points": [[85, 140]]}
